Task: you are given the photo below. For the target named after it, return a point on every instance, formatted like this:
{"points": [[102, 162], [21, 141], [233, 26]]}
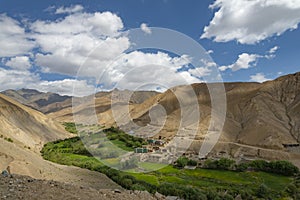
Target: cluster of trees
{"points": [[223, 164], [72, 145], [278, 167], [184, 161], [70, 127], [129, 140]]}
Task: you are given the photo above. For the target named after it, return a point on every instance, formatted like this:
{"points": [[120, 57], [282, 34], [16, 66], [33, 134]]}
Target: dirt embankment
{"points": [[23, 187]]}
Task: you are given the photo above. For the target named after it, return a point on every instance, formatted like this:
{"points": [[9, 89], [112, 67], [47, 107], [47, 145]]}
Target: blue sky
{"points": [[247, 40]]}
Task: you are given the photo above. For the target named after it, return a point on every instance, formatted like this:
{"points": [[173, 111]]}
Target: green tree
{"points": [[283, 167], [182, 162], [192, 162], [263, 191], [225, 163], [242, 167]]}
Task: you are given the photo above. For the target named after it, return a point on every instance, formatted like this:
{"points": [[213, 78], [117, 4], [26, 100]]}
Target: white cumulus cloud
{"points": [[259, 77], [145, 28], [65, 87], [244, 61], [68, 42], [16, 79], [71, 9], [137, 68], [250, 22], [273, 50], [13, 39], [19, 62]]}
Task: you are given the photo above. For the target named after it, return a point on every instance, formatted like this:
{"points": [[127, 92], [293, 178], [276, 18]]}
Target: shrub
{"points": [[181, 191], [70, 127], [283, 167], [192, 162], [138, 187], [279, 167], [182, 162], [242, 167], [126, 183], [212, 195], [9, 140], [260, 165], [263, 191], [225, 164], [210, 164]]}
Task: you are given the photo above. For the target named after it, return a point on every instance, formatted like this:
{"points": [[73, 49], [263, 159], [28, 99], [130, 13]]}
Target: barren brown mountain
{"points": [[44, 102]]}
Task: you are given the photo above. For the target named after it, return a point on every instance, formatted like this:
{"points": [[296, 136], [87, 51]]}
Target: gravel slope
{"points": [[23, 187]]}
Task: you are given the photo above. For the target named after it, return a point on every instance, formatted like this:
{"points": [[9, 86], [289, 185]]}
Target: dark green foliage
{"points": [[227, 197], [247, 194], [241, 167], [212, 195], [260, 165], [9, 140], [223, 164], [130, 141], [192, 162], [70, 127], [293, 189], [182, 162], [283, 167], [184, 192], [126, 183], [263, 191], [210, 164], [71, 145], [278, 167]]}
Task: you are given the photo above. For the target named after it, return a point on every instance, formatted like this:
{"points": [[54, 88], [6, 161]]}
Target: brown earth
{"points": [[22, 187]]}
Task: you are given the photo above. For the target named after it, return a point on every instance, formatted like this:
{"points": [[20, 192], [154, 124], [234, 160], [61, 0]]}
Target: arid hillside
{"points": [[26, 126], [23, 131]]}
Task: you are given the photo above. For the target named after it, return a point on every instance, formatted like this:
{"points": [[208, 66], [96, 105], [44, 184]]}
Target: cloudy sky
{"points": [[57, 46]]}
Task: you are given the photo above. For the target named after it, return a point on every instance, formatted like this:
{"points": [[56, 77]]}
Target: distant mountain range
{"points": [[44, 102]]}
